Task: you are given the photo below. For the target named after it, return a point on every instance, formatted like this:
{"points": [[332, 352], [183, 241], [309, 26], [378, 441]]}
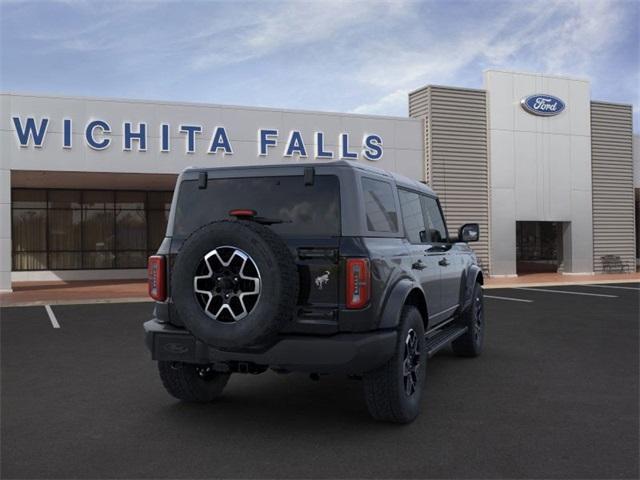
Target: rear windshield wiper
{"points": [[246, 214], [268, 221]]}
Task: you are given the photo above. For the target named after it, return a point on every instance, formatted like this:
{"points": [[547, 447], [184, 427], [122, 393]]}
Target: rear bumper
{"points": [[351, 353]]}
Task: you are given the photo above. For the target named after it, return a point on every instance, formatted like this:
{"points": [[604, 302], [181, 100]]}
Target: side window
{"points": [[379, 205], [437, 230], [412, 216]]}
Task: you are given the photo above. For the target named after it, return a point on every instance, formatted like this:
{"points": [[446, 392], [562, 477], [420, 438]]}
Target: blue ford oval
{"points": [[541, 104]]}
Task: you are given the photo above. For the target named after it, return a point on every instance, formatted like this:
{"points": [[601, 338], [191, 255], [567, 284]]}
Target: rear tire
{"points": [[192, 383], [470, 344], [393, 391]]}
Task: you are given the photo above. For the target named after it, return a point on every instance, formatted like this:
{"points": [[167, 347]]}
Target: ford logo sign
{"points": [[544, 105]]}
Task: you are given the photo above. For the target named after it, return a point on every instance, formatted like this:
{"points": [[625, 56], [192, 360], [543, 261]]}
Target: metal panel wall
{"points": [[612, 179], [419, 108], [456, 155], [540, 167]]}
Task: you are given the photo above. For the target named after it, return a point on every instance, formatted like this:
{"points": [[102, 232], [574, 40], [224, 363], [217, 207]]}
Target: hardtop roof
{"points": [[400, 180]]}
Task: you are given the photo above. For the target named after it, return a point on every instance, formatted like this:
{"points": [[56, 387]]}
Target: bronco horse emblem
{"points": [[322, 280]]}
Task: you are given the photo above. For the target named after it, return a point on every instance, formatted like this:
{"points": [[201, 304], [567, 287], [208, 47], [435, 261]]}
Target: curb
{"points": [[560, 284], [42, 303]]}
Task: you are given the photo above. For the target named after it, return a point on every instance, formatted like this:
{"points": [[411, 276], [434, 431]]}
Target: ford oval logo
{"points": [[540, 104]]}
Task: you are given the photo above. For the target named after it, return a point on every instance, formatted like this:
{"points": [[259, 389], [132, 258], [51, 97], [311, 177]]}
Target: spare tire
{"points": [[234, 284]]}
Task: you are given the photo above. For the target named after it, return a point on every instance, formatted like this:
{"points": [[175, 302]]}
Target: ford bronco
{"points": [[316, 268]]}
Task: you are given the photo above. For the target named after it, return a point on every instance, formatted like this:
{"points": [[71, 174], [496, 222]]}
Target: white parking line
{"points": [[52, 317], [611, 286], [566, 291], [509, 298]]}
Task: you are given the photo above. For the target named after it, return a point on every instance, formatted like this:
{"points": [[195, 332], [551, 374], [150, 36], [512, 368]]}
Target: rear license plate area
{"points": [[175, 347]]}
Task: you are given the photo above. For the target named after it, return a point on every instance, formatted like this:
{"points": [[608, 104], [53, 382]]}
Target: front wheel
{"points": [[470, 344], [192, 383], [393, 391]]}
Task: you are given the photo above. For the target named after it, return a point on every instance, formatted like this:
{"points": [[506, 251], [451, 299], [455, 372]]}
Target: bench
{"points": [[613, 263]]}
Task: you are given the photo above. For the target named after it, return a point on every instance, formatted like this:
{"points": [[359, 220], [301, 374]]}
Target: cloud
{"points": [[394, 103], [352, 55], [550, 36], [288, 25], [104, 30], [573, 44]]}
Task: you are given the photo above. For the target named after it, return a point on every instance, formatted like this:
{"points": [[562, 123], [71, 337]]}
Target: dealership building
{"points": [[547, 172]]}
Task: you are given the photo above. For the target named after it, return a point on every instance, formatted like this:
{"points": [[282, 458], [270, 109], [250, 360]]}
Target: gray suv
{"points": [[317, 268]]}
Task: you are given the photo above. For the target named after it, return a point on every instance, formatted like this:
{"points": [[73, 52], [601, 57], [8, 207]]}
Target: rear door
{"points": [[424, 267], [440, 249]]}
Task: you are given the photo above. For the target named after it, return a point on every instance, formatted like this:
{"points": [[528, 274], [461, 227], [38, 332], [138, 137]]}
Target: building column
{"points": [[565, 248], [577, 240], [5, 230], [502, 247]]}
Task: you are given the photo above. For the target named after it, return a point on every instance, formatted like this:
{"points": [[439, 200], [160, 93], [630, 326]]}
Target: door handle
{"points": [[418, 265], [443, 262]]}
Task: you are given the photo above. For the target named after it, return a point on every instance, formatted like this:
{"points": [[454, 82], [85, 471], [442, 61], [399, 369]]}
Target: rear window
{"points": [[304, 209], [380, 206], [412, 216]]}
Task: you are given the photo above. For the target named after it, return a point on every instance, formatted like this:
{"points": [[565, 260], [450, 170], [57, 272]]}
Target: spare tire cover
{"points": [[234, 284]]}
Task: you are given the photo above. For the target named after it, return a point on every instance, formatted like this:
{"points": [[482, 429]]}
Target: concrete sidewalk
{"points": [[551, 279], [60, 293]]}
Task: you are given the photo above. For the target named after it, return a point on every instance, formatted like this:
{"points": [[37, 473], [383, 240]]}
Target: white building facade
{"points": [[540, 167], [85, 183]]}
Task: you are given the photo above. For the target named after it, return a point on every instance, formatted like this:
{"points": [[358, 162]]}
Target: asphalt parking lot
{"points": [[554, 395]]}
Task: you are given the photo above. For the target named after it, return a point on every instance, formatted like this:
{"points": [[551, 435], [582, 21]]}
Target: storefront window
{"points": [[65, 236], [65, 199], [98, 199], [29, 198], [131, 230], [29, 220], [86, 229], [157, 226], [158, 206]]}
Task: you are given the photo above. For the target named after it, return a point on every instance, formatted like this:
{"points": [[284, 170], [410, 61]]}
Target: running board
{"points": [[443, 338]]}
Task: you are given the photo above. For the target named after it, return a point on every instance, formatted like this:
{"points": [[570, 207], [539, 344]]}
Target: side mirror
{"points": [[469, 232]]}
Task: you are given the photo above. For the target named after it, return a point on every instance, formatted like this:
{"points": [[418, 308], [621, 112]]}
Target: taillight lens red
{"points": [[156, 273], [358, 282], [242, 212]]}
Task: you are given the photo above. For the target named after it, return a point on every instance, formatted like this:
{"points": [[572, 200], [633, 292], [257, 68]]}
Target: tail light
{"points": [[242, 212], [156, 273], [358, 282]]}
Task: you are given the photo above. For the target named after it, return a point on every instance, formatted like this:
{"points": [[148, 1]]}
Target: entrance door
{"points": [[538, 247]]}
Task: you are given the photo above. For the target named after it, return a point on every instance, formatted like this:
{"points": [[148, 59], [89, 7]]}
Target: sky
{"points": [[344, 56]]}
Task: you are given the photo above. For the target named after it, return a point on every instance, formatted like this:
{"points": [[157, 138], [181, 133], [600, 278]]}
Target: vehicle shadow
{"points": [[292, 402]]}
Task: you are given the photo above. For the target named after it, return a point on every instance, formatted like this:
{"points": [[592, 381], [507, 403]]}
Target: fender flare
{"points": [[472, 275], [396, 299]]}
